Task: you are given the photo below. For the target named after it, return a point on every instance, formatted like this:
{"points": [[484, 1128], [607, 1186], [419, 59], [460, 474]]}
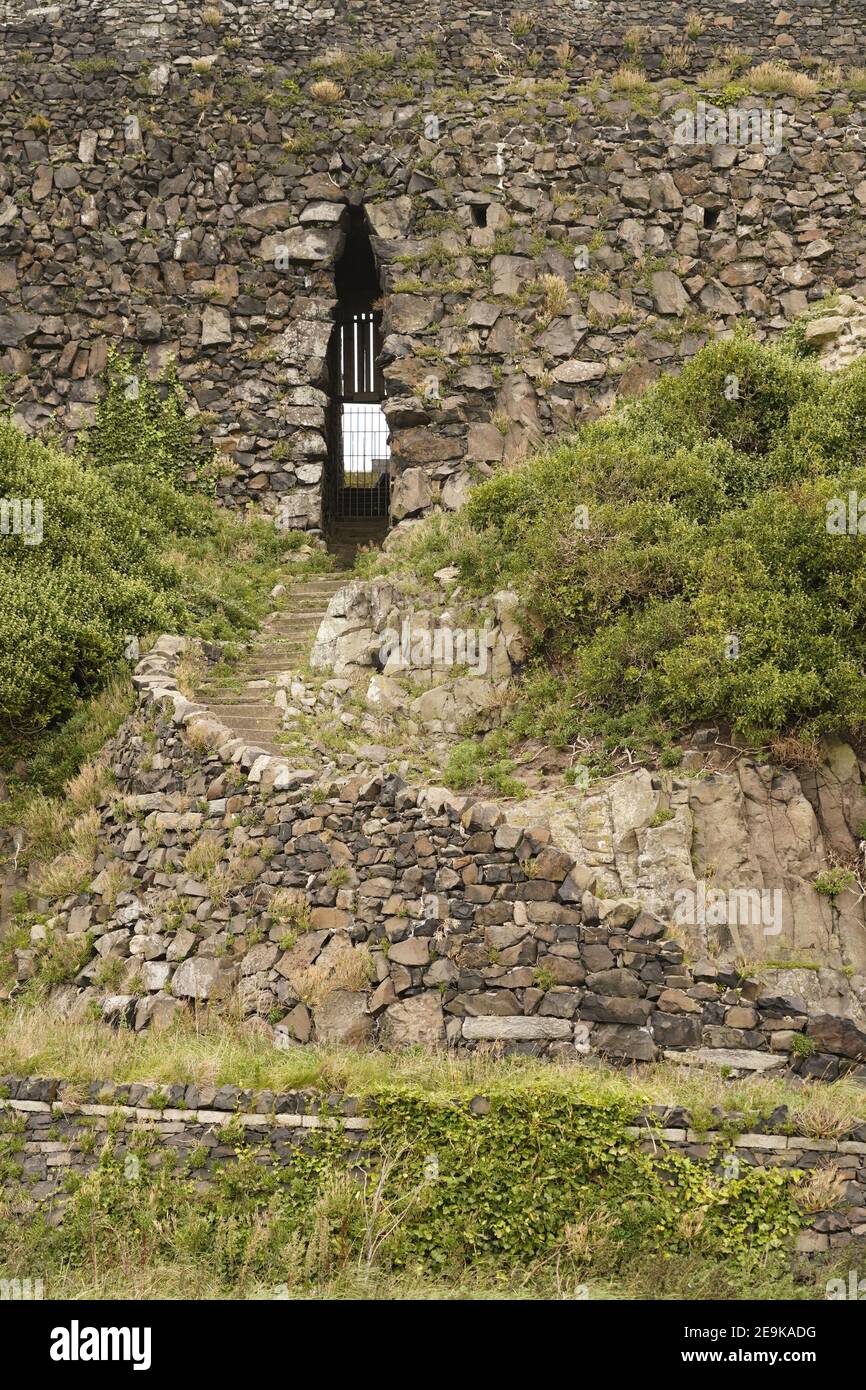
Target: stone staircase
{"points": [[247, 707]]}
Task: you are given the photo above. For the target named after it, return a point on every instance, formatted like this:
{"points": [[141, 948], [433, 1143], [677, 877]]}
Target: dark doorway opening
{"points": [[356, 476]]}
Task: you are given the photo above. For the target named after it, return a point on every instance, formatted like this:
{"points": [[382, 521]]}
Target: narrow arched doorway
{"points": [[356, 500]]}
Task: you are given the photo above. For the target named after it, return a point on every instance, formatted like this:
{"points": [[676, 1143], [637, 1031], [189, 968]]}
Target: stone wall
{"points": [[369, 911], [60, 1130], [831, 29], [178, 186]]}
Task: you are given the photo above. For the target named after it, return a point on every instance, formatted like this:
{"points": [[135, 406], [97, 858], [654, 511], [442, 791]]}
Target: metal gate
{"points": [[358, 480]]}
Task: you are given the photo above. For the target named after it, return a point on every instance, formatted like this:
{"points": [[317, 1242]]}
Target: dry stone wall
{"points": [[370, 911], [60, 1132], [180, 187]]}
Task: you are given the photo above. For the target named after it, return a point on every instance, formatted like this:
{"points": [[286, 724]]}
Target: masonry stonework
{"points": [[175, 181]]}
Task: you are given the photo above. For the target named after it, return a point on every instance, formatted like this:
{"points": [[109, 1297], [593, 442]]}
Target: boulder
{"points": [[343, 1018], [412, 492], [415, 1021], [203, 977]]}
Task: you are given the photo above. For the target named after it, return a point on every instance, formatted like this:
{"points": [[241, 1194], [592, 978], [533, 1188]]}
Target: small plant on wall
{"points": [[143, 424]]}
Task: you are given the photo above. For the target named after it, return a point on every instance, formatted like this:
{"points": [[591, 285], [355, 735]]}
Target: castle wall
{"points": [[177, 186]]}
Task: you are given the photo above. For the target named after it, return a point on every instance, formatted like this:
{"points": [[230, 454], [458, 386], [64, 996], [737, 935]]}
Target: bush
{"points": [[123, 554], [69, 603], [674, 560]]}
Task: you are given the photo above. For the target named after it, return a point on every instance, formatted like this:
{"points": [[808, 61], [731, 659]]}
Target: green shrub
{"points": [[648, 541], [122, 554], [69, 603], [830, 882]]}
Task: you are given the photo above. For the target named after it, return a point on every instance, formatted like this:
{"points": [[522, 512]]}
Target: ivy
{"points": [[542, 1180], [142, 425]]}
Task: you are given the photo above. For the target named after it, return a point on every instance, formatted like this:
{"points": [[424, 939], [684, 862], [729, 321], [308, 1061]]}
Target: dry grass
{"points": [[521, 23], [289, 907], [694, 24], [224, 881], [203, 857], [116, 881], [825, 1113], [713, 78], [779, 79], [677, 56], [564, 54], [796, 752], [70, 871], [326, 91], [629, 78], [212, 16], [202, 737], [189, 671], [44, 822], [822, 1190], [349, 968], [89, 787], [554, 295]]}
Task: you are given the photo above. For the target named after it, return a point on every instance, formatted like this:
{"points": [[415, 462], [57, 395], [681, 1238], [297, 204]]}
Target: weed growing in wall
{"points": [[142, 424]]}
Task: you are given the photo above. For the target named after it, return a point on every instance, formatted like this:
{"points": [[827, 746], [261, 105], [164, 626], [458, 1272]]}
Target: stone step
{"points": [[320, 599], [319, 586], [289, 646], [283, 644], [239, 701], [231, 713], [305, 624]]}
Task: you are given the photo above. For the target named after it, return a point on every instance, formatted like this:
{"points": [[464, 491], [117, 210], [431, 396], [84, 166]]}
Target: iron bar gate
{"points": [[358, 481]]}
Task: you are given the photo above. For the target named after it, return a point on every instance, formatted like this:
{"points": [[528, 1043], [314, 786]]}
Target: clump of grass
{"points": [[212, 16], [289, 906], [779, 79], [115, 881], [222, 882], [822, 1190], [694, 24], [677, 56], [554, 295], [203, 857], [349, 968], [521, 23], [189, 671], [326, 91], [629, 78], [89, 786], [202, 737], [69, 872]]}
